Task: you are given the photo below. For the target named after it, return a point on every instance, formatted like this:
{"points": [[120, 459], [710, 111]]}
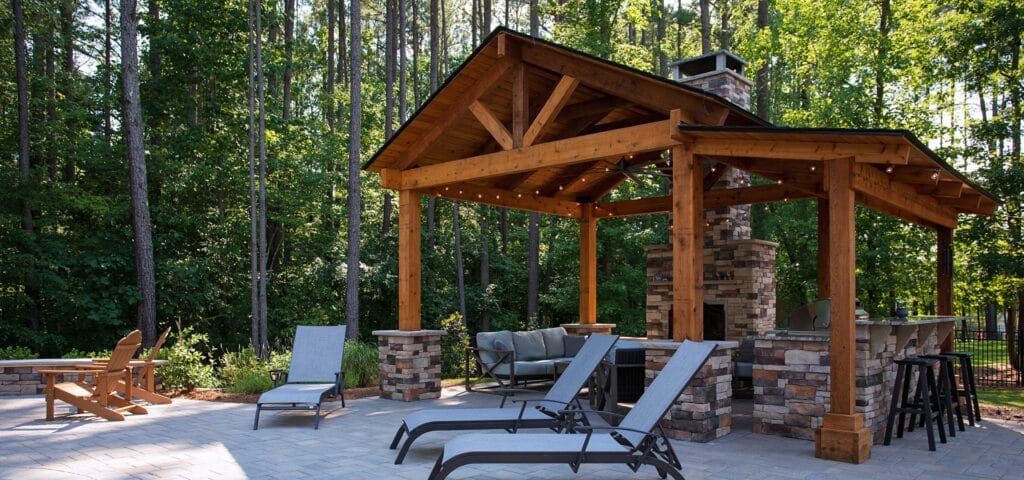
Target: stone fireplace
{"points": [[739, 272]]}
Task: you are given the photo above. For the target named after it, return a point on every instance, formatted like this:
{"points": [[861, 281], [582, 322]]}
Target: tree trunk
{"points": [[415, 54], [705, 26], [487, 16], [390, 54], [132, 111], [254, 283], [762, 87], [67, 29], [108, 129], [330, 65], [434, 44], [402, 67], [533, 267], [1015, 100], [289, 39], [355, 122], [262, 140], [473, 25], [503, 229], [154, 59], [24, 165], [534, 18], [342, 68], [485, 268], [881, 61], [460, 274], [50, 71], [725, 36]]}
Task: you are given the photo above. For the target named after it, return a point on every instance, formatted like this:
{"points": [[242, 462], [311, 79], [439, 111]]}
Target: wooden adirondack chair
{"points": [[99, 397], [144, 386]]}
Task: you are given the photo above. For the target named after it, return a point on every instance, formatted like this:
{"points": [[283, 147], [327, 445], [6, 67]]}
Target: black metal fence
{"points": [[998, 356]]}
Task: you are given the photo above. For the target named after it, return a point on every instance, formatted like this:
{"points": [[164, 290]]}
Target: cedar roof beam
{"points": [[943, 189], [714, 175], [492, 124], [697, 110], [504, 198], [455, 112], [552, 107], [794, 150], [875, 184], [589, 108], [722, 197], [570, 151]]}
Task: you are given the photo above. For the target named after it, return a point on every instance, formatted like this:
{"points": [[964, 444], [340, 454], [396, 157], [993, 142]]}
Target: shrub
{"points": [[189, 366], [17, 353], [76, 353], [454, 343], [243, 372], [361, 364]]}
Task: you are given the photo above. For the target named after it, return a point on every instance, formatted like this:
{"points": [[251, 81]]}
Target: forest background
{"points": [[949, 71]]}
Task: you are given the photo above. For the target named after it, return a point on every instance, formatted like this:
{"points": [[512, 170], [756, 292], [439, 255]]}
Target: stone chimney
{"points": [[718, 72], [739, 273]]}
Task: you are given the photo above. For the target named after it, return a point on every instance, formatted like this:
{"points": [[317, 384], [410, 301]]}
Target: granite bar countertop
{"points": [[913, 320], [672, 345]]}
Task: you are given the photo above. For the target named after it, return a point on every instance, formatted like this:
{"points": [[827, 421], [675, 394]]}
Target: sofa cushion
{"points": [[529, 345], [528, 369], [501, 340], [554, 346], [573, 344]]}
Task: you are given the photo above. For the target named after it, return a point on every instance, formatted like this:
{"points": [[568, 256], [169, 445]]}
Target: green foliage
{"points": [[243, 372], [454, 343], [190, 361], [76, 353], [361, 364], [17, 353]]}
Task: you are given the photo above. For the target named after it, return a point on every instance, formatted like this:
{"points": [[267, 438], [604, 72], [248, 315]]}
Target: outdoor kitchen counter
{"points": [[791, 372]]}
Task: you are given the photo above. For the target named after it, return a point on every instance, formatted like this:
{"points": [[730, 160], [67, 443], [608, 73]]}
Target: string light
{"points": [[536, 192], [498, 197], [714, 169], [519, 195], [778, 182], [814, 168], [460, 192], [935, 175], [607, 169], [560, 188], [889, 168], [584, 179], [446, 189]]}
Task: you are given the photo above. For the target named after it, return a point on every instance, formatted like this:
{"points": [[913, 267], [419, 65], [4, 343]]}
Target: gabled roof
{"points": [[608, 96]]}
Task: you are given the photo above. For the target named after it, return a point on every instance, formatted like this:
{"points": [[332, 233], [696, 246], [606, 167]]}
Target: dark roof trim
{"points": [[502, 29], [881, 132]]}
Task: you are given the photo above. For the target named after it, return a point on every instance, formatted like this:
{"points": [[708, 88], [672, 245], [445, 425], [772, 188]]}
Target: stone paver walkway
{"points": [[198, 440]]}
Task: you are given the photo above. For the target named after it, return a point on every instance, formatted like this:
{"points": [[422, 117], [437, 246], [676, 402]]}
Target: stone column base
{"points": [[588, 328], [703, 412], [843, 438], [410, 364]]}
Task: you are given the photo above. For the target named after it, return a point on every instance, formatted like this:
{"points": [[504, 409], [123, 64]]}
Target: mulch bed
{"points": [[1009, 414], [218, 395]]}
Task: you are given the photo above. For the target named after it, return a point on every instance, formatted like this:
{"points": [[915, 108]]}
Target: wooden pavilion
{"points": [[530, 125]]}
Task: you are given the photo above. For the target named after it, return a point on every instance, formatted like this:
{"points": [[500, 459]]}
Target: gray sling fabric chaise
{"points": [[544, 413], [315, 371], [634, 442]]}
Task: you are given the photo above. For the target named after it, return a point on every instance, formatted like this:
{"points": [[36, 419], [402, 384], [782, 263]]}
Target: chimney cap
{"points": [[709, 62]]}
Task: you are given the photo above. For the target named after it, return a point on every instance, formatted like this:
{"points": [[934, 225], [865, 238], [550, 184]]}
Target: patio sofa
{"points": [[517, 357]]}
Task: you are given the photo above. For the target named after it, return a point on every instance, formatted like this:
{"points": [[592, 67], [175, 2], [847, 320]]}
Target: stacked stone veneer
{"points": [[704, 410], [26, 380], [724, 83], [738, 274], [410, 364], [791, 377]]}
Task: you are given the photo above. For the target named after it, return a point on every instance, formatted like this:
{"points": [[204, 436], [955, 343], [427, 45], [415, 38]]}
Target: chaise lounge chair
{"points": [[633, 442], [544, 414], [315, 371], [99, 397]]}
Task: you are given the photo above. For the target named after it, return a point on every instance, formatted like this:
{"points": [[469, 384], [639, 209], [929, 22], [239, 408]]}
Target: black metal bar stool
{"points": [[950, 399], [967, 388], [925, 403]]}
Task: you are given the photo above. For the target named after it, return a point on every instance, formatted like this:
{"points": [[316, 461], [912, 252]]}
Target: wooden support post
{"points": [[843, 435], [588, 265], [687, 245], [944, 278], [823, 254], [409, 285]]}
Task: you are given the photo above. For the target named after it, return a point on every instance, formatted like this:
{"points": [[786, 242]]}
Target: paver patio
{"points": [[197, 440]]}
